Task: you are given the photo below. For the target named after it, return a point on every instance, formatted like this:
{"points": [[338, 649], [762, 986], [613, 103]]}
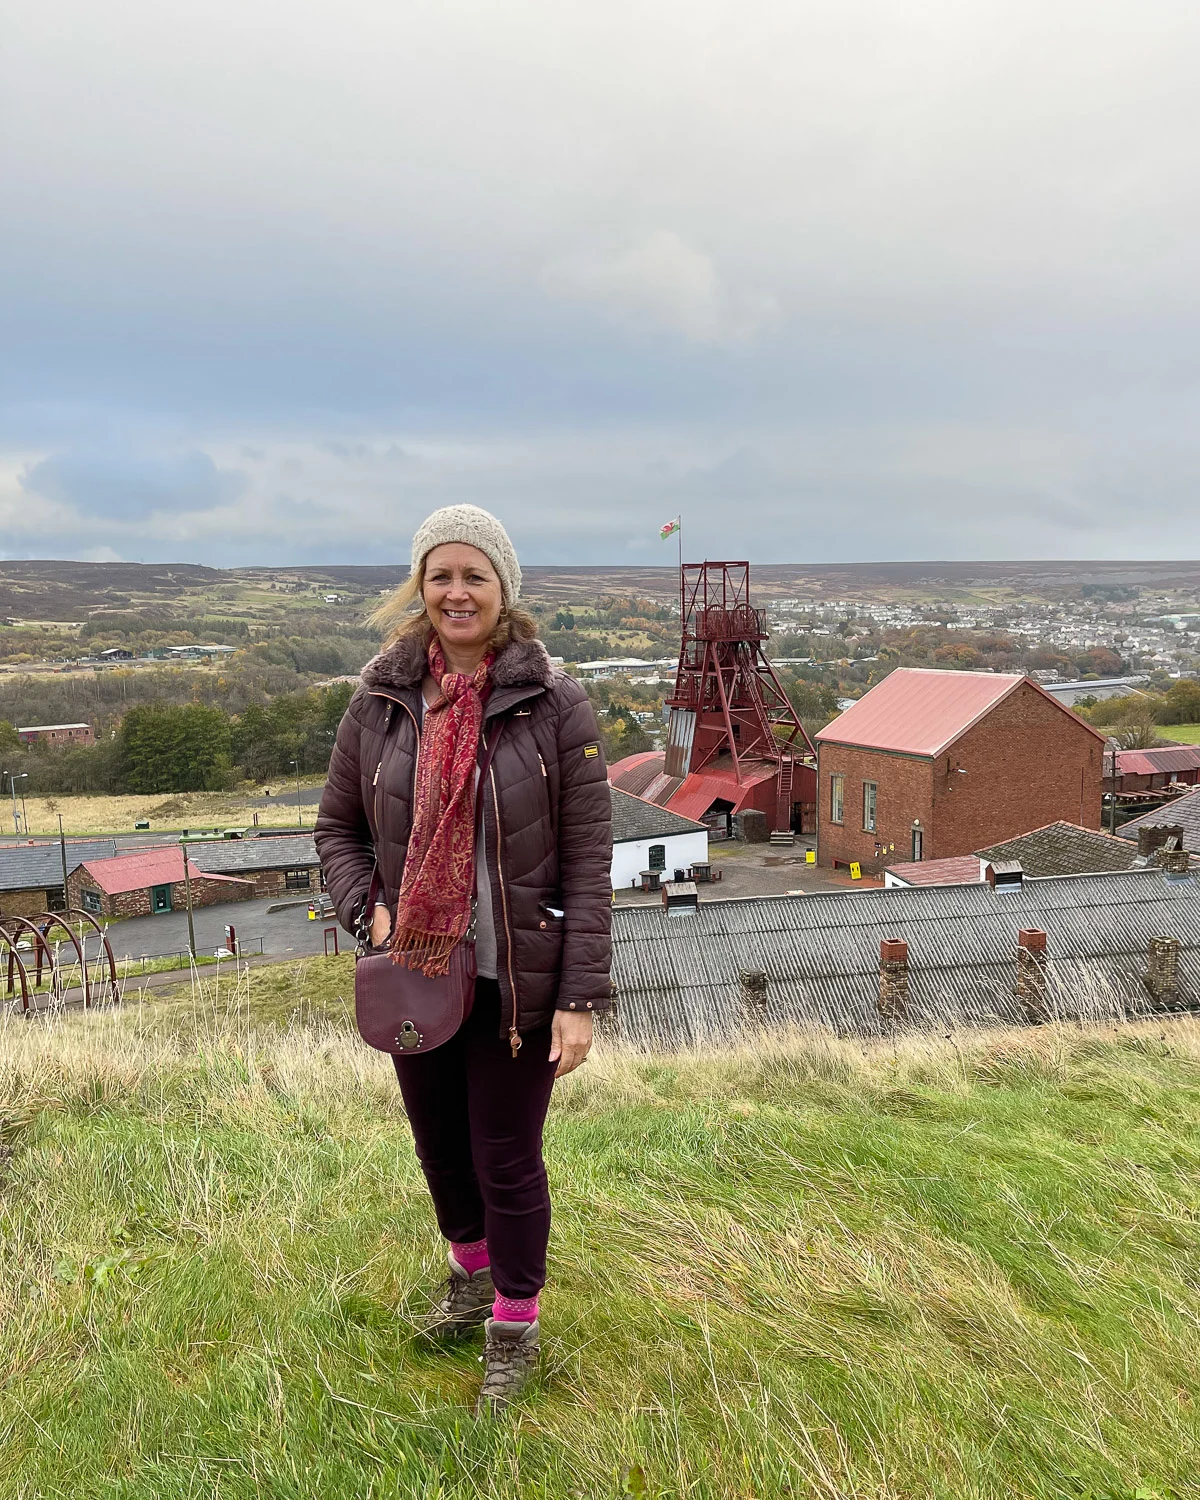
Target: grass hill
{"points": [[960, 1268]]}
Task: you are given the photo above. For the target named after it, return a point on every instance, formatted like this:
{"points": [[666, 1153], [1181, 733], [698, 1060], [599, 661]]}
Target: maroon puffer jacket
{"points": [[546, 804]]}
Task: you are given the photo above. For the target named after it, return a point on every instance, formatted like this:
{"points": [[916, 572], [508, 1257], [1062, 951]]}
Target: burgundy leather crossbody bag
{"points": [[399, 1009]]}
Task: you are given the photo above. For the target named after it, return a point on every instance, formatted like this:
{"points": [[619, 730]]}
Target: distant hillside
{"points": [[48, 590]]}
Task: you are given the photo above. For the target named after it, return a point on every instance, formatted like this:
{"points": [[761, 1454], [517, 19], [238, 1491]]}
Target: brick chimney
{"points": [[752, 986], [1162, 970], [1152, 836], [1173, 861], [1031, 974], [893, 979]]}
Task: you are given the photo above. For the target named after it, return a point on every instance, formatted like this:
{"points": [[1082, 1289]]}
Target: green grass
{"points": [[1186, 734], [958, 1269]]}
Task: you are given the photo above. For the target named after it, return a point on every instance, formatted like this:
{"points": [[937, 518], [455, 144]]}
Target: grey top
{"points": [[485, 922]]}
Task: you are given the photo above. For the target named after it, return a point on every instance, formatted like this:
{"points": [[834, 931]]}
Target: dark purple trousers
{"points": [[476, 1114]]}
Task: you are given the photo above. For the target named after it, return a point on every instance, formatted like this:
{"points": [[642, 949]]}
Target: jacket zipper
{"points": [[394, 703], [514, 1036]]}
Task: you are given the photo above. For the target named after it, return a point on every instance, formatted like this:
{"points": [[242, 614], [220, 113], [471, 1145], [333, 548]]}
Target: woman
{"points": [[461, 678]]}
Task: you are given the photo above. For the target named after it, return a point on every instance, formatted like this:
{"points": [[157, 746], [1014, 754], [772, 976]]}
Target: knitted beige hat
{"points": [[477, 528]]}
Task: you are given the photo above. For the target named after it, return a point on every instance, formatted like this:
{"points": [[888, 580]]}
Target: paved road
{"points": [[284, 934]]}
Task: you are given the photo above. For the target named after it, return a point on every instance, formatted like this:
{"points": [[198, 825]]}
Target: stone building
{"points": [[932, 764], [149, 882], [31, 878], [275, 866]]}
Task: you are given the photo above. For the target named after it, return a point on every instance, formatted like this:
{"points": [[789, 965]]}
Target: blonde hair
{"points": [[397, 618]]}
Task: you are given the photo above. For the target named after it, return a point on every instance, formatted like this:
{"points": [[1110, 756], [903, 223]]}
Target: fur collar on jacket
{"points": [[520, 664]]}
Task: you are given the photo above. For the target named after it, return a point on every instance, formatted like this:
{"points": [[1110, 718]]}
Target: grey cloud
{"points": [[125, 486]]}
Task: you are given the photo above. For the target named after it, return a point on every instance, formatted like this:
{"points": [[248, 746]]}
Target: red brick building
{"points": [[56, 734], [929, 765], [148, 882]]}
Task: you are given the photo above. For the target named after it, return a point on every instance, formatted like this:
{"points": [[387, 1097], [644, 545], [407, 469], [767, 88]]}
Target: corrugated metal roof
{"points": [[718, 780], [635, 818], [146, 867], [26, 867], [677, 976], [959, 869], [1172, 758], [1184, 812], [919, 711]]}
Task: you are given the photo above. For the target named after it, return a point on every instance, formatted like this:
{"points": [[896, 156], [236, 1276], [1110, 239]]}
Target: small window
{"points": [[658, 857], [91, 900], [297, 880], [870, 794], [918, 844], [837, 799], [55, 900]]}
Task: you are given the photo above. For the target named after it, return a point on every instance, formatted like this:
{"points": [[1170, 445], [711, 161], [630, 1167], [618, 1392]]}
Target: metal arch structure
{"points": [[59, 920], [47, 958], [17, 963], [43, 952]]}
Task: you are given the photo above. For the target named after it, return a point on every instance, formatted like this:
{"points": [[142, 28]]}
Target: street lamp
{"points": [[12, 782], [299, 809]]}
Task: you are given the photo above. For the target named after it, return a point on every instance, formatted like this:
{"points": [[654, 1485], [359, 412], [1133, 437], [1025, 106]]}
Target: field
{"points": [[1186, 734], [954, 1269], [167, 812]]}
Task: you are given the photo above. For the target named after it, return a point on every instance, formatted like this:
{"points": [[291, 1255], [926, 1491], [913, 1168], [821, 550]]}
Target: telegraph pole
{"points": [[187, 889], [62, 849], [299, 810]]}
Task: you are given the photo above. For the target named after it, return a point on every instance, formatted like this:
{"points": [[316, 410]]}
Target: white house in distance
{"points": [[647, 837]]}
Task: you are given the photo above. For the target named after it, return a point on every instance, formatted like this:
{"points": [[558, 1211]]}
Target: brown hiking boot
{"points": [[464, 1304], [510, 1357]]}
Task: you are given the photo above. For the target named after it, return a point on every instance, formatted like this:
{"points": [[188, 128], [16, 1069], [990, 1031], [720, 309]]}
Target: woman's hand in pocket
{"points": [[381, 926]]}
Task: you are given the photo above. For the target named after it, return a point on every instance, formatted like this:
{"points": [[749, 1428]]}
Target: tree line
{"points": [[189, 747]]}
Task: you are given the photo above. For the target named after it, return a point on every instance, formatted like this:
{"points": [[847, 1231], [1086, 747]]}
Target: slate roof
{"points": [[27, 867], [677, 975], [1065, 849], [295, 851], [1184, 813], [635, 818], [922, 711]]}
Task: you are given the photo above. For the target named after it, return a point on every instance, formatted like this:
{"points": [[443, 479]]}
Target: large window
{"points": [[91, 899], [55, 900], [870, 795], [837, 799], [297, 880], [658, 857]]}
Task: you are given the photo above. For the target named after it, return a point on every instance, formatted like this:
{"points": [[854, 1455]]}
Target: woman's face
{"points": [[462, 595]]}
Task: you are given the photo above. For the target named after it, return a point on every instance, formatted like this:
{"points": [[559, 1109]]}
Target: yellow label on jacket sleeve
{"points": [[591, 751]]}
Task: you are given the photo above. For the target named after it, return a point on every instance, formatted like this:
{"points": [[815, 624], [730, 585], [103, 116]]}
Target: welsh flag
{"points": [[669, 529]]}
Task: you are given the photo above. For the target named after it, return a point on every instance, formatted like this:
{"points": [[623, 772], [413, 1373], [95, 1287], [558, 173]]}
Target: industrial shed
{"points": [[1181, 816], [274, 866], [31, 875], [149, 883], [709, 976]]}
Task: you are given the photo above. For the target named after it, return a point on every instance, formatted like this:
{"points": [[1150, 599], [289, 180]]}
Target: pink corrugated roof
{"points": [[918, 711], [961, 869], [146, 867], [1156, 762], [702, 788]]}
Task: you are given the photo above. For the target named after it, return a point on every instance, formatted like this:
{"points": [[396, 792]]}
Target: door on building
{"points": [[160, 898]]}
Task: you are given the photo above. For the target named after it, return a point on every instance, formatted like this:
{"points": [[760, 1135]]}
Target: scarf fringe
{"points": [[426, 952]]}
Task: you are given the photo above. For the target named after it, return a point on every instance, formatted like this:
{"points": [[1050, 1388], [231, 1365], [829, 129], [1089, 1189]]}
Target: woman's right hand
{"points": [[381, 926]]}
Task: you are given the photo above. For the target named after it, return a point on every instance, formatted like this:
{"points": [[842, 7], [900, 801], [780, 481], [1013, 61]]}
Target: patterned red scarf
{"points": [[434, 909]]}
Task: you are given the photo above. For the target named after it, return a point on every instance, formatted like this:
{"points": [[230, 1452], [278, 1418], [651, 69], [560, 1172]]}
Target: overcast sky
{"points": [[843, 281]]}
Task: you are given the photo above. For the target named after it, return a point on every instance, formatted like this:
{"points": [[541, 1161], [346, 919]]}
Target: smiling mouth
{"points": [[459, 614]]}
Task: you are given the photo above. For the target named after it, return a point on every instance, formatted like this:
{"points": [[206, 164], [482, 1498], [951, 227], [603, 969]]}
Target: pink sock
{"points": [[473, 1257], [515, 1309]]}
